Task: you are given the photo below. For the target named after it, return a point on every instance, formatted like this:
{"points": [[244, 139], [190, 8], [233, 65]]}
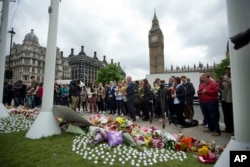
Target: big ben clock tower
{"points": [[156, 48]]}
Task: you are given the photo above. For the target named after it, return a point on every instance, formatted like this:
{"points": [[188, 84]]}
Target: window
{"points": [[26, 69], [26, 61]]}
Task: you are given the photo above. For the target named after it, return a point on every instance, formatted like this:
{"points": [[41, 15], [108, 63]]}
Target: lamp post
{"points": [[12, 33]]}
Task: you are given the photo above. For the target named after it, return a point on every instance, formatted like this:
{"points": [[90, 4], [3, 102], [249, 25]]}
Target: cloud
{"points": [[194, 31]]}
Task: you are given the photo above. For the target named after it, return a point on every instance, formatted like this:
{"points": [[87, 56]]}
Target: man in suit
{"points": [[189, 95], [130, 97], [111, 98]]}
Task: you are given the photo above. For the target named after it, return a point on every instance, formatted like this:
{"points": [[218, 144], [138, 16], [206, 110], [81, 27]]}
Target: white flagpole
{"points": [[45, 124], [238, 14], [3, 37]]}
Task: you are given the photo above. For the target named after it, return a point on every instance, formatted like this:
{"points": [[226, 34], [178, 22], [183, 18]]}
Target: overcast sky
{"points": [[194, 30]]}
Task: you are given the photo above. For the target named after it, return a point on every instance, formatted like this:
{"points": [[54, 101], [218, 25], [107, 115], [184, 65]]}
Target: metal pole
{"points": [[12, 33], [3, 37]]}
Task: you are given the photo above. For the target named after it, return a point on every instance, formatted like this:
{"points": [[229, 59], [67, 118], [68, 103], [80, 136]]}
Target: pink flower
{"points": [[153, 128], [157, 142], [144, 129], [176, 136]]}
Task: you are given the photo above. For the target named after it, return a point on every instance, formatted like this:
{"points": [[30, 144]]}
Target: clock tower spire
{"points": [[156, 47]]}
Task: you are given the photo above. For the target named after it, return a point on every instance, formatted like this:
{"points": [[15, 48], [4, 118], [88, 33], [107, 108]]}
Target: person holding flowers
{"points": [[171, 108], [92, 97], [208, 95], [119, 98], [179, 104], [130, 91]]}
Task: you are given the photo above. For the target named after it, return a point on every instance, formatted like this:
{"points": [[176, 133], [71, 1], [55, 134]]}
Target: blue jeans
{"points": [[212, 114]]}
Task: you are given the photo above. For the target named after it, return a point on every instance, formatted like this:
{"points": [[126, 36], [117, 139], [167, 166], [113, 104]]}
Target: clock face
{"points": [[154, 38]]}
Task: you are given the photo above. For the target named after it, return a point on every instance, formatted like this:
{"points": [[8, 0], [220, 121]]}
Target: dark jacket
{"points": [[131, 91], [189, 92], [180, 93]]}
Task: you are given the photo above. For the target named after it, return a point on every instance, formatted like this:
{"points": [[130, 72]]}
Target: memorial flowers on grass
{"points": [[118, 140]]}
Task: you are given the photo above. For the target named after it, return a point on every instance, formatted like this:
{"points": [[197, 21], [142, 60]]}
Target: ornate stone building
{"points": [[85, 67], [29, 59], [156, 54], [156, 48]]}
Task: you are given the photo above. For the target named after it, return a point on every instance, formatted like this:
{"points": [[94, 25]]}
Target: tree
{"points": [[109, 73], [220, 69]]}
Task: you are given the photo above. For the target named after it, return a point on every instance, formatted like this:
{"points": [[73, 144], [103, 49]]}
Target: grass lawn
{"points": [[17, 150]]}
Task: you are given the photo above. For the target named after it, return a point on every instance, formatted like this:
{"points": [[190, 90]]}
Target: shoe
{"points": [[207, 130], [205, 126], [145, 119], [188, 120], [103, 112], [216, 134], [137, 117], [133, 120], [116, 114], [227, 131], [122, 115]]}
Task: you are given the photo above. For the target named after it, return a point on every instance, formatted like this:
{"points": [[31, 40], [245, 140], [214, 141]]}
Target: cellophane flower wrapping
{"points": [[74, 129], [114, 138], [99, 136]]}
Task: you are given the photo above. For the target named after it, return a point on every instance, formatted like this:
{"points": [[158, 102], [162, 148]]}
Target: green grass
{"points": [[17, 150]]}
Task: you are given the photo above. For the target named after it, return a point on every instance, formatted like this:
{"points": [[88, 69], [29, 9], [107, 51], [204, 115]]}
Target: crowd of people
{"points": [[137, 99]]}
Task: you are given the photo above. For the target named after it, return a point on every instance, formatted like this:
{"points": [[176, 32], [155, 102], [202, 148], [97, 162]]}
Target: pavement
{"points": [[195, 132]]}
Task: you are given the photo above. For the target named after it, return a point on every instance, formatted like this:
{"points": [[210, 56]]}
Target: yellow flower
{"points": [[120, 120], [147, 140], [95, 121], [203, 150]]}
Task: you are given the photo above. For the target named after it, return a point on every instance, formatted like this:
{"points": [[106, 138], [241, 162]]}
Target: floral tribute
{"points": [[28, 113], [119, 140], [153, 138]]}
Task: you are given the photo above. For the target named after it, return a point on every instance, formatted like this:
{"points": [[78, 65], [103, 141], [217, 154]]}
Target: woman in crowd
{"points": [[84, 99], [101, 93], [92, 97], [145, 99], [178, 100]]}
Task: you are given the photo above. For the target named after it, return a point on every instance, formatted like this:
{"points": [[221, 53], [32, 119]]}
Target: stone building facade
{"points": [[156, 54], [156, 48], [85, 67], [28, 59]]}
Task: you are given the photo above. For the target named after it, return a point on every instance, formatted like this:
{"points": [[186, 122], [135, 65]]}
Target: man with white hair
{"points": [[130, 97]]}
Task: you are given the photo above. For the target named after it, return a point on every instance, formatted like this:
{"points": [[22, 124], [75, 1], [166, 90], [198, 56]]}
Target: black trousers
{"points": [[227, 109]]}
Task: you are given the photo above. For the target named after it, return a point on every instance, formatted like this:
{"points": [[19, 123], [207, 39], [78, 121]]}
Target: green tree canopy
{"points": [[109, 73], [220, 69]]}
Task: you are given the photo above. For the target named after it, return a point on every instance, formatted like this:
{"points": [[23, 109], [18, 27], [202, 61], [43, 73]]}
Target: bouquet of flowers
{"points": [[28, 113]]}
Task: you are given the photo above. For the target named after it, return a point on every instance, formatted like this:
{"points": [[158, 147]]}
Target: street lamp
{"points": [[12, 33]]}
